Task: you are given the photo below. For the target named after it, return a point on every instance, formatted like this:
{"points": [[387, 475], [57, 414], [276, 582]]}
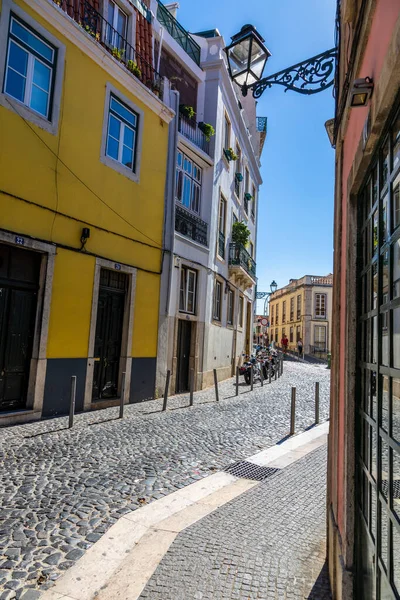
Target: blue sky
{"points": [[295, 228]]}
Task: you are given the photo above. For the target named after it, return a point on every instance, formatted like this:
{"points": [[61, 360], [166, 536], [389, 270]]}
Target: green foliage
{"points": [[117, 53], [133, 68], [230, 154], [240, 233], [207, 129], [187, 111]]}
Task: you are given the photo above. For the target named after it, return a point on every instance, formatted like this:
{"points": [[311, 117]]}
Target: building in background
{"points": [[207, 298], [81, 205], [364, 437], [260, 330], [303, 310]]}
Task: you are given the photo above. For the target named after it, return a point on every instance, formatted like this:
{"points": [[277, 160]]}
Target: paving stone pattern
{"points": [[267, 544], [61, 489]]}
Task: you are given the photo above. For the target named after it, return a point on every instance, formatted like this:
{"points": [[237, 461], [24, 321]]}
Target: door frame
{"points": [[125, 363], [38, 364]]}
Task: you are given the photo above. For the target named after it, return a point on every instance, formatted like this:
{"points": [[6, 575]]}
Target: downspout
{"points": [[160, 49]]}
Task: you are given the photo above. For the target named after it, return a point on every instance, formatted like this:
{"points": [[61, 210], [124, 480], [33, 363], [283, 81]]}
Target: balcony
{"points": [[192, 227], [190, 129], [241, 265], [262, 130], [180, 35], [111, 40]]}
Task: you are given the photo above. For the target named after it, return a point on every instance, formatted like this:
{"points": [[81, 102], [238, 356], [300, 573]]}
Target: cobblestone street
{"points": [[62, 489], [268, 544]]}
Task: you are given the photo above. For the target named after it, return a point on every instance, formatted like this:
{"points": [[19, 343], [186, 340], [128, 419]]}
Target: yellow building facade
{"points": [[303, 310], [83, 159]]}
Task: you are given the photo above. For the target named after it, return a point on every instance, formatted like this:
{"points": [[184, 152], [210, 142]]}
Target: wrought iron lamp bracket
{"points": [[308, 77]]}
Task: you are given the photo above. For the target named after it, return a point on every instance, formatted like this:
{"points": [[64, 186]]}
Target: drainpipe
{"points": [[160, 48]]}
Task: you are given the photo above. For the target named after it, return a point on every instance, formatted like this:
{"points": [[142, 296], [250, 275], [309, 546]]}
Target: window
{"points": [[234, 218], [187, 295], [116, 27], [238, 184], [221, 227], [298, 333], [298, 307], [320, 337], [30, 68], [284, 311], [231, 302], [217, 301], [251, 249], [277, 315], [226, 134], [276, 336], [188, 182], [246, 190], [292, 309], [272, 314], [253, 204], [240, 311], [320, 306], [122, 133], [291, 332]]}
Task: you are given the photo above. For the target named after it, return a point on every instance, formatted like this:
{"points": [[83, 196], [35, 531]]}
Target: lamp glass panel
{"points": [[359, 99], [242, 78], [258, 59], [238, 57]]}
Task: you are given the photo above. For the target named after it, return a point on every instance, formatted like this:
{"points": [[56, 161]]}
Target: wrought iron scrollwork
{"points": [[308, 77]]}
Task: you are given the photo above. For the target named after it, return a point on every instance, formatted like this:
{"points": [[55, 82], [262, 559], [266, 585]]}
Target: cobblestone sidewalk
{"points": [[61, 489], [267, 544]]}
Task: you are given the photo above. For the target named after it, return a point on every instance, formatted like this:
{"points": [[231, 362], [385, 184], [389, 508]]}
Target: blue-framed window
{"points": [[30, 68], [122, 133]]}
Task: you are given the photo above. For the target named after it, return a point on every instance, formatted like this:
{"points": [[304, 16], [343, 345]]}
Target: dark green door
{"points": [[107, 349], [19, 275], [183, 357]]}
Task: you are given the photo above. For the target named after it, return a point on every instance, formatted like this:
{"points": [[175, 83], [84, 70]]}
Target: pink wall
{"points": [[384, 20]]}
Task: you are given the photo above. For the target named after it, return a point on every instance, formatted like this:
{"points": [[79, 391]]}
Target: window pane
{"points": [[18, 58], [15, 85], [39, 100], [396, 338], [127, 157], [179, 182], [375, 339], [112, 148], [375, 231], [395, 493], [121, 23], [385, 468], [41, 75], [182, 291], [111, 8], [31, 40], [373, 512], [396, 202], [385, 403], [384, 221], [114, 128], [385, 162], [129, 137], [186, 192], [123, 112], [191, 281]]}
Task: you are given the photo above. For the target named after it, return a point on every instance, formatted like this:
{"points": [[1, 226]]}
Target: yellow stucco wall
{"points": [[280, 326], [33, 179]]}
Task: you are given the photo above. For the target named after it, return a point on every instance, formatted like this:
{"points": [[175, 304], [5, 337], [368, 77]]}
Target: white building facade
{"points": [[208, 280]]}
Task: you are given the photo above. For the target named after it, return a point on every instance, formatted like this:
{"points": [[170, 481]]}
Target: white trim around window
{"points": [[133, 174], [22, 108]]}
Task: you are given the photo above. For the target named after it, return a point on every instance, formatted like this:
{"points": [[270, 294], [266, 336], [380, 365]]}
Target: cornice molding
{"points": [[65, 25]]}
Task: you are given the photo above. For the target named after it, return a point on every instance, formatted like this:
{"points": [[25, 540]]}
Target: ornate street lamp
{"points": [[247, 56], [260, 295]]}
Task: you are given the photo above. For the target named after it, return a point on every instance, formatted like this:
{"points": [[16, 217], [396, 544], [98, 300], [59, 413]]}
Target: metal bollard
{"points": [[261, 376], [166, 390], [191, 386], [251, 378], [293, 412], [72, 401], [216, 385], [269, 372], [237, 381], [276, 369], [281, 366], [316, 402], [121, 401], [278, 366]]}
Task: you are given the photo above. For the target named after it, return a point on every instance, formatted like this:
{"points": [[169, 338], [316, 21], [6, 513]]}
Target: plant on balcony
{"points": [[230, 154], [155, 87], [187, 111], [240, 233], [133, 68], [207, 129], [239, 177], [117, 53], [248, 196]]}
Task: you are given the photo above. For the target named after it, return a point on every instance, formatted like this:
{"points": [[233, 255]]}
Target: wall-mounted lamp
{"points": [[85, 235], [361, 92]]}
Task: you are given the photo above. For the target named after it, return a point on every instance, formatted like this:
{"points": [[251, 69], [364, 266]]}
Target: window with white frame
{"points": [[277, 315], [122, 133], [320, 337], [117, 26], [253, 203], [292, 308], [320, 306], [251, 249], [231, 303], [187, 295], [246, 191], [217, 301], [226, 134], [221, 227], [188, 182], [30, 68], [298, 316], [238, 174], [284, 311], [240, 311]]}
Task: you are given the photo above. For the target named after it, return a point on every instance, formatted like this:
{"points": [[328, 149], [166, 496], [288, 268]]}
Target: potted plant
{"points": [[239, 177], [230, 154], [187, 111], [133, 68], [207, 129], [240, 233], [248, 196], [117, 53], [156, 88]]}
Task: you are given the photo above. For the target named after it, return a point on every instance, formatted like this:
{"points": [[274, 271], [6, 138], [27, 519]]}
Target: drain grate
{"points": [[248, 470], [396, 488]]}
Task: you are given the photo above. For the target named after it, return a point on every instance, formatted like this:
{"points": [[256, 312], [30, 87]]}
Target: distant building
{"points": [[303, 310], [260, 329]]}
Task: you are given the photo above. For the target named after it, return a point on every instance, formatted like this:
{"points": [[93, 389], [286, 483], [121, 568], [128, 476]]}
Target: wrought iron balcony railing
{"points": [[262, 124], [238, 256], [190, 226], [221, 244], [190, 129], [180, 35], [104, 34]]}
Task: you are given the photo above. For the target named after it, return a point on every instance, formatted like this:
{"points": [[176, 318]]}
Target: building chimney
{"points": [[173, 8]]}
